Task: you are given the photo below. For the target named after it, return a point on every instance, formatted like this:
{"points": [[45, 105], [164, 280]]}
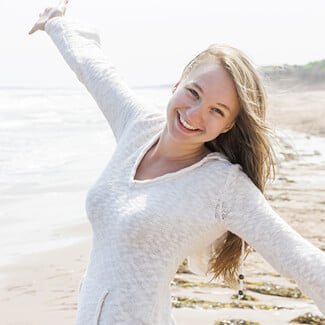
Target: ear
{"points": [[175, 86]]}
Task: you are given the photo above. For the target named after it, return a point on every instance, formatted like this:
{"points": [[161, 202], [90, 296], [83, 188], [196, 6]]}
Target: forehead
{"points": [[216, 83]]}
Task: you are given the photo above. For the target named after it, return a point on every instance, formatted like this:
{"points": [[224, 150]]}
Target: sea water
{"points": [[54, 143]]}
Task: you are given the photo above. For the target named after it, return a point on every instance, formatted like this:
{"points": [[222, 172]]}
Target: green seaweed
{"points": [[244, 298], [273, 274], [183, 267], [271, 289], [309, 318], [189, 284], [258, 284], [236, 322], [265, 288], [181, 302]]}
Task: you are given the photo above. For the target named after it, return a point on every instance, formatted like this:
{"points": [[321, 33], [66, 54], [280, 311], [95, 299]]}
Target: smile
{"points": [[186, 125]]}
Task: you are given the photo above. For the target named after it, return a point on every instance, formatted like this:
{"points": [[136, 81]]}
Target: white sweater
{"points": [[142, 230]]}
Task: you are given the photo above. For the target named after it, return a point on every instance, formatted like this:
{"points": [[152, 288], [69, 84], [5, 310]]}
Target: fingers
{"points": [[33, 30], [47, 14], [63, 2], [62, 5], [37, 26]]}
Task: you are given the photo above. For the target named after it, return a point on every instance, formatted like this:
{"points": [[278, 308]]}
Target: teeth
{"points": [[185, 124]]}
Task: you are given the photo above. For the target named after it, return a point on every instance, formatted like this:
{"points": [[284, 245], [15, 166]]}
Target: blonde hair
{"points": [[247, 143]]}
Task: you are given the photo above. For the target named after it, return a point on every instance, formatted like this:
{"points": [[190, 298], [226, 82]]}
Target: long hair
{"points": [[247, 143]]}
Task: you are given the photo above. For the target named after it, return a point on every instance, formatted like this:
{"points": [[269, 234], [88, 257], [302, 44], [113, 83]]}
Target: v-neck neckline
{"points": [[170, 175]]}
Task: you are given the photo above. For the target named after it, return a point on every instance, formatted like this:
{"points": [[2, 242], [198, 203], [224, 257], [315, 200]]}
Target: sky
{"points": [[151, 41]]}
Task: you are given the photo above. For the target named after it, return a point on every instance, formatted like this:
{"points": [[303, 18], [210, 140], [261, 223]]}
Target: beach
{"points": [[55, 143]]}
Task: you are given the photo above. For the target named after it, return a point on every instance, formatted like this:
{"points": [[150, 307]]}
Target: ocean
{"points": [[54, 144]]}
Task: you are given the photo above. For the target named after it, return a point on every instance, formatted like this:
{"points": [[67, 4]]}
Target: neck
{"points": [[167, 149]]}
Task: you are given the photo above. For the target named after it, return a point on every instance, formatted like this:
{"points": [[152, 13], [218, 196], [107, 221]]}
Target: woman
{"points": [[186, 185]]}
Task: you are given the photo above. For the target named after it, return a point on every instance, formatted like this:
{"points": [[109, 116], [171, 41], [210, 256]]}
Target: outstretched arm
{"points": [[80, 47], [245, 212]]}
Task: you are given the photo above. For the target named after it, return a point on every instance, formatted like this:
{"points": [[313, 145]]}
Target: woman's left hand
{"points": [[49, 13]]}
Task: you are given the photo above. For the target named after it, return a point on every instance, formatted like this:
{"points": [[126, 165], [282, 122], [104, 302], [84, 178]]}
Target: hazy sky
{"points": [[151, 41]]}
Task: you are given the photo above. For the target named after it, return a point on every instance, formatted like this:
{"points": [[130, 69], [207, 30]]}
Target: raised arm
{"points": [[80, 47], [245, 212]]}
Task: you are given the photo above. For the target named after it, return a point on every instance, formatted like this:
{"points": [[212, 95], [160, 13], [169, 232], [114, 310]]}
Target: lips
{"points": [[185, 125]]}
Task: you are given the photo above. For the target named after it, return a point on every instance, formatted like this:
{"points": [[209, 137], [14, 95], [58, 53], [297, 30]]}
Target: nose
{"points": [[196, 114]]}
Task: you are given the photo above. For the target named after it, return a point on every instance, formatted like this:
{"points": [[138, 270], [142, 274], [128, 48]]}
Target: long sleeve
{"points": [[245, 212], [80, 47]]}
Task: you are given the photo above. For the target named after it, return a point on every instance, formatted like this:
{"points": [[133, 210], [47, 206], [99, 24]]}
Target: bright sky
{"points": [[151, 41]]}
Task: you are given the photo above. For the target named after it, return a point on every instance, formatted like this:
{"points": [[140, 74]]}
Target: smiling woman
{"points": [[146, 217], [206, 100]]}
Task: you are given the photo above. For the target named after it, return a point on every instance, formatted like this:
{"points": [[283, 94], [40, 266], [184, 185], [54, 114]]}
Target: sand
{"points": [[42, 288]]}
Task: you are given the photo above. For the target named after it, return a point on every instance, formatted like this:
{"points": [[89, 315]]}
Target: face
{"points": [[203, 106]]}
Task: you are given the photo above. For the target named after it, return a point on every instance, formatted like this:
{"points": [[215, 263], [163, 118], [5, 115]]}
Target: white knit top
{"points": [[142, 230]]}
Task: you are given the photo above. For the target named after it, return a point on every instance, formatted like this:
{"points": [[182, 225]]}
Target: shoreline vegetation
{"points": [[295, 77]]}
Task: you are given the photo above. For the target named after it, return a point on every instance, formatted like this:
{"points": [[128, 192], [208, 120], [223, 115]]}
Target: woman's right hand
{"points": [[49, 13]]}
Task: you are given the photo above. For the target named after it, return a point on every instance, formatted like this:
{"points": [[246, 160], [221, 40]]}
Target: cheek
{"points": [[173, 104], [178, 98], [215, 124], [170, 106], [216, 127]]}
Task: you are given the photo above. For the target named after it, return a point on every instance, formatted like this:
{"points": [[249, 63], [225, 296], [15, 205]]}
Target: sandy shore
{"points": [[42, 288], [301, 111]]}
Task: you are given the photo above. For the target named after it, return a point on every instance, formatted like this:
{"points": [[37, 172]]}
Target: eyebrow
{"points": [[217, 104]]}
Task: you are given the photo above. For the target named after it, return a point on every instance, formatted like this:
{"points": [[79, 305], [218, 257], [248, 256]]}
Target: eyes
{"points": [[196, 95], [219, 111]]}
